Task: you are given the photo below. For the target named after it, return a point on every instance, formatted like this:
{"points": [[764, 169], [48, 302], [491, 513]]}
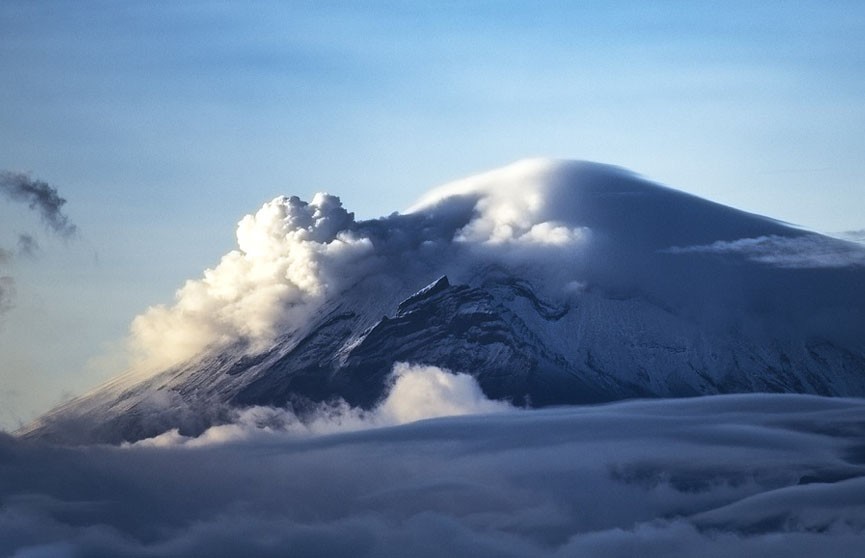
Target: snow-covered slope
{"points": [[550, 282]]}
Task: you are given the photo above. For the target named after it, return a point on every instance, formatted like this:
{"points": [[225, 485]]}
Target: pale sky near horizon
{"points": [[163, 123]]}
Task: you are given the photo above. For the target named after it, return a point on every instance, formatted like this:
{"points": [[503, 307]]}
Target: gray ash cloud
{"points": [[41, 197]]}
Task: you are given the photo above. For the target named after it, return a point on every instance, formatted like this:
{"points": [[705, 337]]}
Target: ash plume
{"points": [[41, 197]]}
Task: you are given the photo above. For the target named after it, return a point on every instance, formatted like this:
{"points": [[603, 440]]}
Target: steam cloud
{"points": [[288, 259], [755, 475]]}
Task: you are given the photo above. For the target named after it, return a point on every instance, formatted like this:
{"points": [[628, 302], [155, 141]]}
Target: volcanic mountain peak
{"points": [[550, 282]]}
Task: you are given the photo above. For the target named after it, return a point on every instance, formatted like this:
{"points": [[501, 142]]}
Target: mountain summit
{"points": [[550, 282]]}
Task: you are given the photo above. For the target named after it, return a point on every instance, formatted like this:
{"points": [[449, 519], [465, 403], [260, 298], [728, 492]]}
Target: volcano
{"points": [[549, 282]]}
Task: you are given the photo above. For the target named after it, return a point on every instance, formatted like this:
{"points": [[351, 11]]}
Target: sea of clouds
{"points": [[743, 475]]}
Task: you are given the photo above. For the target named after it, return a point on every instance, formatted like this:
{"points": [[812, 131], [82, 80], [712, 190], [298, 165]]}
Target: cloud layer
{"points": [[416, 392], [799, 252], [718, 476]]}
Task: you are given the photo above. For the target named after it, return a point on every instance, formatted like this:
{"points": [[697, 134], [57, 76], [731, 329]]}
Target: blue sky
{"points": [[163, 123]]}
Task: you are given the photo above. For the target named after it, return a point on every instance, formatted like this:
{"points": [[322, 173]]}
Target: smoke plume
{"points": [[40, 196]]}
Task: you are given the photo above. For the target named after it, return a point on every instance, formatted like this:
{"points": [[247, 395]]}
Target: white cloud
{"points": [[416, 392], [515, 204], [420, 392], [804, 251]]}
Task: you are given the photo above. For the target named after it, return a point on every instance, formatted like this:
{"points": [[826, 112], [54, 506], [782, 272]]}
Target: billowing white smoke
{"points": [[290, 255], [417, 392]]}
